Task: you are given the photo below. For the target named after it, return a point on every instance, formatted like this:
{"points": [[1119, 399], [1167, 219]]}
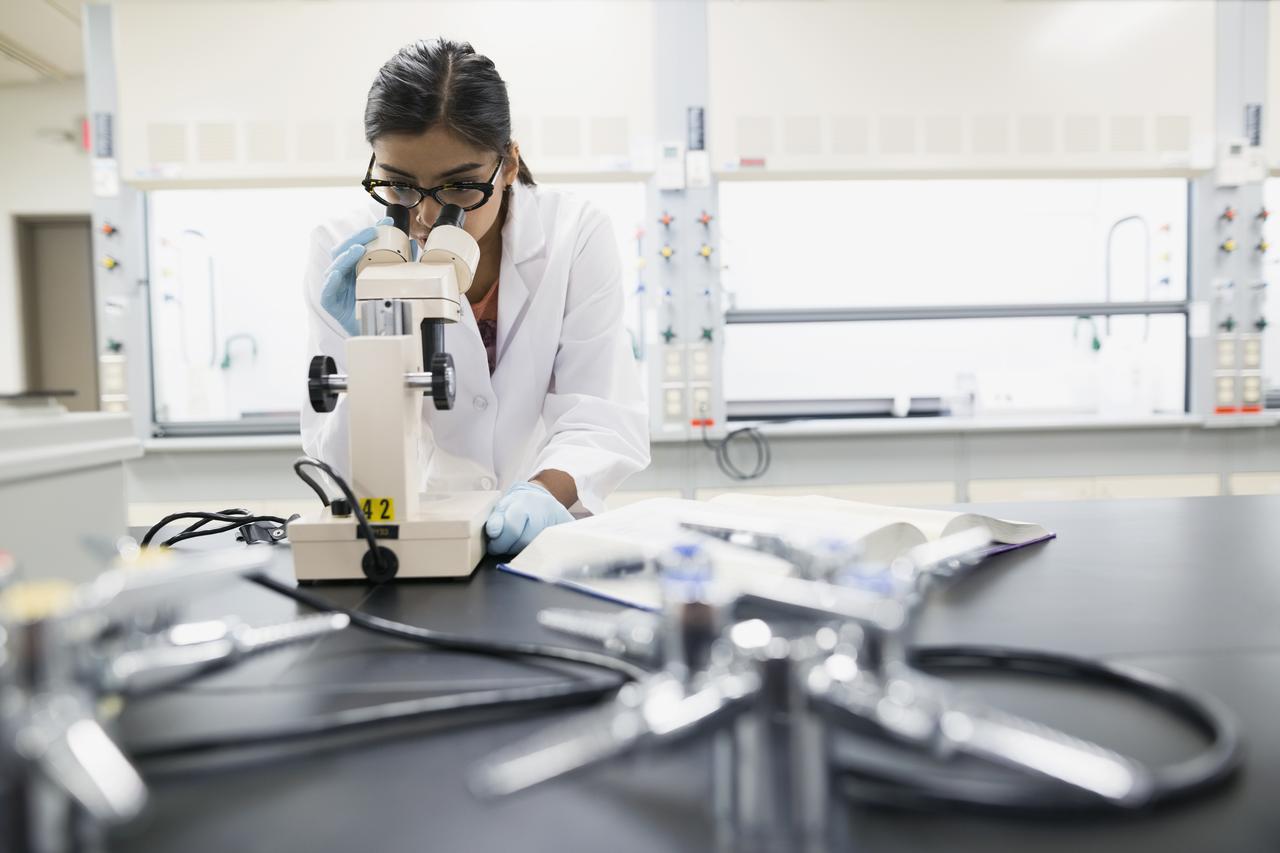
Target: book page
{"points": [[1002, 530], [574, 554], [933, 523]]}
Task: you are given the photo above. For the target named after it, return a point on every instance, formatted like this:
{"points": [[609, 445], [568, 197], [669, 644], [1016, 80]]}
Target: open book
{"points": [[564, 553]]}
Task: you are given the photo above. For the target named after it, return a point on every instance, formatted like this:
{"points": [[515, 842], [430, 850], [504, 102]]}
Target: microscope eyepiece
{"points": [[399, 216], [450, 214]]}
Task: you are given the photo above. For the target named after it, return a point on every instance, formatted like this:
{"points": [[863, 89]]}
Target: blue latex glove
{"points": [[522, 513], [339, 294]]}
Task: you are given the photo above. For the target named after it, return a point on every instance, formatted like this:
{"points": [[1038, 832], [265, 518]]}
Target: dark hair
{"points": [[442, 82]]}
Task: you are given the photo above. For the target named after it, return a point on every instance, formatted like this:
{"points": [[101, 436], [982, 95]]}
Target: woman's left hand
{"points": [[521, 514]]}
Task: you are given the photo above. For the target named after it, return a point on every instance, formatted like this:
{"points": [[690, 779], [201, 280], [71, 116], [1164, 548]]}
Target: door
{"points": [[56, 267]]}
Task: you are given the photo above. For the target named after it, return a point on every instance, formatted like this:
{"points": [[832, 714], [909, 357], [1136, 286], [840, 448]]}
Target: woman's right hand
{"points": [[339, 294]]}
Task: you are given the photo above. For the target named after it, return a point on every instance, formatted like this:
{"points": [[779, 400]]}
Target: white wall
{"points": [[40, 173], [809, 86], [943, 86], [581, 86]]}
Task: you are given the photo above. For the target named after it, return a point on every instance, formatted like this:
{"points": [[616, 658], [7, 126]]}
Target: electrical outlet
{"points": [[1226, 353], [673, 404], [701, 401], [1226, 390], [1251, 356], [673, 369], [700, 366]]}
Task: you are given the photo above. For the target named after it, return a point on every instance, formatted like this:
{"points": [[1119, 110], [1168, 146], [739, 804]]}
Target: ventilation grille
{"points": [[1079, 136]]}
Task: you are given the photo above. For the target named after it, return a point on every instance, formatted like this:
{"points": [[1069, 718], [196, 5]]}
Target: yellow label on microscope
{"points": [[379, 509]]}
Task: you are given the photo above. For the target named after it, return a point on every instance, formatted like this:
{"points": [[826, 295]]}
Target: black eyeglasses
{"points": [[467, 195]]}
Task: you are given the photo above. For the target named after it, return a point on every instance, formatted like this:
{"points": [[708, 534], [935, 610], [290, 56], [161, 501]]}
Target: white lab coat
{"points": [[566, 392]]}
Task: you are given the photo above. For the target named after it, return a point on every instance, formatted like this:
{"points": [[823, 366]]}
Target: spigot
{"points": [[61, 739], [925, 712], [187, 649], [54, 752], [631, 633]]}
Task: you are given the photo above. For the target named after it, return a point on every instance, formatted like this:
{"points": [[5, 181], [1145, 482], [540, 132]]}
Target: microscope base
{"points": [[445, 539]]}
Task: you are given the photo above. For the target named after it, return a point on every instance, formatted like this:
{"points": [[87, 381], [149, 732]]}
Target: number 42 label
{"points": [[379, 509]]}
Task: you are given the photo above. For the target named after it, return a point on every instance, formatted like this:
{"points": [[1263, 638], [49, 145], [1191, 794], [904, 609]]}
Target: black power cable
{"points": [[299, 466], [203, 522], [538, 696], [721, 449], [381, 571], [888, 782], [233, 518], [457, 642]]}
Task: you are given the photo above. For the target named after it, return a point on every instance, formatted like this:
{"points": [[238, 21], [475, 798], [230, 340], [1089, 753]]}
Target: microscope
{"points": [[396, 362]]}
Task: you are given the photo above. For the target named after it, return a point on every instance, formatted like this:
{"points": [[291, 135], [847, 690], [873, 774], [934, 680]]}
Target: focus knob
{"points": [[322, 399], [443, 386]]}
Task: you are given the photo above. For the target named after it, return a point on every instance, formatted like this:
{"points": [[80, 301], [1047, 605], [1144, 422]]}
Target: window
{"points": [[925, 245], [1022, 366], [228, 326], [228, 322], [809, 244]]}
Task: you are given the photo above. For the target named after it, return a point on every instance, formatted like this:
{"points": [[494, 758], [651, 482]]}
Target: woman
{"points": [[549, 406]]}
